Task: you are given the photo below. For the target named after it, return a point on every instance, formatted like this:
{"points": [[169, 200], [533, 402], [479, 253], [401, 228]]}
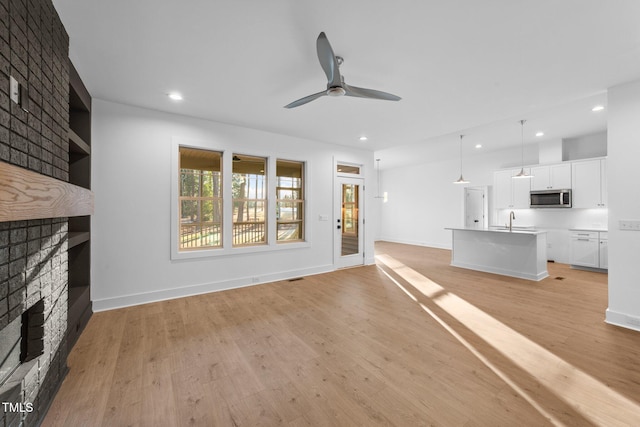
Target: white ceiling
{"points": [[468, 66]]}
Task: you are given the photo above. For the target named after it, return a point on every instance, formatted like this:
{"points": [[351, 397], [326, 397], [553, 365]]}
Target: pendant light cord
{"points": [[461, 136], [522, 143]]}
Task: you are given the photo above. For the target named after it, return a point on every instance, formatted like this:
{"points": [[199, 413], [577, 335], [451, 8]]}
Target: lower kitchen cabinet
{"points": [[604, 250], [589, 249]]}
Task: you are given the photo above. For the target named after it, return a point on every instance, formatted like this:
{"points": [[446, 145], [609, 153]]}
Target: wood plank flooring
{"points": [[352, 348]]}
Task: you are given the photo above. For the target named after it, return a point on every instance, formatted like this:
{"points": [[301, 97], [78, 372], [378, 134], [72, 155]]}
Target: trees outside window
{"points": [[200, 197], [249, 193]]}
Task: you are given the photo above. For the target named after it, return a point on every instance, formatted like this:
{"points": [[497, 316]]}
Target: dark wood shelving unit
{"points": [[79, 238]]}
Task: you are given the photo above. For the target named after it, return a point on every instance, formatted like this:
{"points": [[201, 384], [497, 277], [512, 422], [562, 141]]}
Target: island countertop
{"points": [[500, 230]]}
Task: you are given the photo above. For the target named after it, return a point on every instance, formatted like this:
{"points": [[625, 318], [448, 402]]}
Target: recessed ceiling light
{"points": [[540, 134], [175, 96], [597, 108], [478, 145], [363, 138]]}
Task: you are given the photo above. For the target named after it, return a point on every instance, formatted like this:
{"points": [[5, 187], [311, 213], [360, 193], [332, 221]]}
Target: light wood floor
{"points": [[352, 348]]}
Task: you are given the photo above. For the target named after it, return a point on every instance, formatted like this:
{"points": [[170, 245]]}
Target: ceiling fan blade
{"points": [[328, 61], [306, 99], [369, 93]]}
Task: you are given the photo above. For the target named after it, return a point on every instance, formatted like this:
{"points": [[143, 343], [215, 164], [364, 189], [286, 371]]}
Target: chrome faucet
{"points": [[512, 216]]}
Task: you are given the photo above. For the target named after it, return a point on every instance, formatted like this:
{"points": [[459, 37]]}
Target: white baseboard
{"points": [[622, 320], [204, 288]]}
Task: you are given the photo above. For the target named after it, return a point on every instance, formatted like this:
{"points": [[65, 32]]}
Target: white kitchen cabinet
{"points": [[511, 193], [604, 250], [589, 180], [589, 249], [551, 177]]}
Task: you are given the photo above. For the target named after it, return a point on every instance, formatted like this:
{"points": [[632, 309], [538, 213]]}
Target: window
{"points": [[289, 201], [342, 168], [249, 188], [200, 199], [225, 203]]}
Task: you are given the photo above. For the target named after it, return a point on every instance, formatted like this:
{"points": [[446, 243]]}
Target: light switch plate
{"points": [[14, 90], [630, 225]]}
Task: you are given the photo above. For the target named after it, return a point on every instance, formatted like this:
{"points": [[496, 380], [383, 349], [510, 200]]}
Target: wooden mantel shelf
{"points": [[29, 195]]}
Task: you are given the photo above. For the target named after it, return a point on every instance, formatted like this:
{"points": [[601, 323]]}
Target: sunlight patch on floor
{"points": [[594, 400]]}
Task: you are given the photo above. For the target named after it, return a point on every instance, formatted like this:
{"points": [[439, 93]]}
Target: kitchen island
{"points": [[516, 253]]}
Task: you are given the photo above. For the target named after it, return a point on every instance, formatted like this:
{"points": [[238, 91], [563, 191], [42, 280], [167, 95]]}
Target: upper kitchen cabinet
{"points": [[551, 177], [589, 183], [511, 193]]}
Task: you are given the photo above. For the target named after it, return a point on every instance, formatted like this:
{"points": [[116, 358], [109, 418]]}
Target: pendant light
{"points": [[522, 173], [461, 180]]}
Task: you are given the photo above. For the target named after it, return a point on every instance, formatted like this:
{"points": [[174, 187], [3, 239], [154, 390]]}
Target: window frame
{"points": [[200, 199], [302, 201], [227, 248], [248, 200]]}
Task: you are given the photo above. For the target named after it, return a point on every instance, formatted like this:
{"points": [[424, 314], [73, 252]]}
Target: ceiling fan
{"points": [[335, 81]]}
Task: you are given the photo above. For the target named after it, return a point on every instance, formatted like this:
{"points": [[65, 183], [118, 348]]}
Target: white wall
{"points": [[131, 179], [585, 147], [624, 204]]}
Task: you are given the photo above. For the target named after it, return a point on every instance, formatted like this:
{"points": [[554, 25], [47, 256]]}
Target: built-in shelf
{"points": [[77, 237], [77, 294], [79, 251], [77, 145], [79, 309]]}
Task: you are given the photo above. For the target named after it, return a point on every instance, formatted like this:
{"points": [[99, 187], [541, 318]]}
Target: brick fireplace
{"points": [[33, 252]]}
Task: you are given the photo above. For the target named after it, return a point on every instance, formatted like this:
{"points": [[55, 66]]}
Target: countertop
{"points": [[500, 230]]}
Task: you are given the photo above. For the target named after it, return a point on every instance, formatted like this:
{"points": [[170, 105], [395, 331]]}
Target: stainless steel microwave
{"points": [[551, 199]]}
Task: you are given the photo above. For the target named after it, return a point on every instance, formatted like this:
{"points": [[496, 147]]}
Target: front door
{"points": [[348, 222]]}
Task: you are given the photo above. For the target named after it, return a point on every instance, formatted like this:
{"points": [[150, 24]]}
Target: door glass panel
{"points": [[350, 241]]}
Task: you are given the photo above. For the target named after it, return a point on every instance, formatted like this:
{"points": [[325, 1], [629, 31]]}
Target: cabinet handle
{"points": [[583, 240]]}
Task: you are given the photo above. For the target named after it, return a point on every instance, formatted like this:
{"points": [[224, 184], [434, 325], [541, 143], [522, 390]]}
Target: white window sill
{"points": [[220, 252]]}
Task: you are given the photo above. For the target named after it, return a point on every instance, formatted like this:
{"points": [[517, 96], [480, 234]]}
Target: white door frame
{"points": [[357, 258], [485, 205]]}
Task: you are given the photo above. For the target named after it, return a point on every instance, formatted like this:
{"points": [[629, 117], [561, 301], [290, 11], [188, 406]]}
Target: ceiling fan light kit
{"points": [[336, 86], [336, 91]]}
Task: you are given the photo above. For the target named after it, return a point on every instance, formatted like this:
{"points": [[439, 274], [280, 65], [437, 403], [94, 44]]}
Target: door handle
{"points": [[339, 227]]}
